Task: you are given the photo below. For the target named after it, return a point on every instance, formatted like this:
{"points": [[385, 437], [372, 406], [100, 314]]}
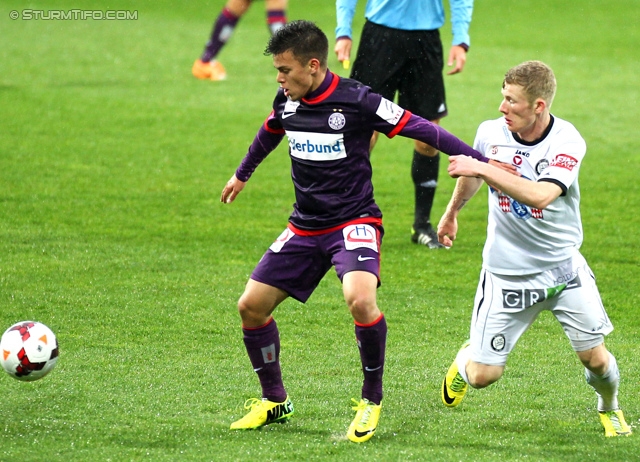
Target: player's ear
{"points": [[539, 105], [314, 65]]}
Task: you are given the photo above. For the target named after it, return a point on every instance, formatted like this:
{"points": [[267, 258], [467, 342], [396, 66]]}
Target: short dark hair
{"points": [[304, 39]]}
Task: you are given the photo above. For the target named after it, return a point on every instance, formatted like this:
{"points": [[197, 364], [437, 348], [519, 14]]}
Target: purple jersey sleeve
{"points": [[422, 130], [392, 120], [266, 140]]}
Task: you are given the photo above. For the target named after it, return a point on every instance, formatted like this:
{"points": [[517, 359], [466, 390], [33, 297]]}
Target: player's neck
{"points": [[318, 79], [538, 129], [318, 82]]}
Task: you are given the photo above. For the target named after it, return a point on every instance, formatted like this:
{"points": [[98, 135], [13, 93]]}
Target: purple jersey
{"points": [[329, 133]]}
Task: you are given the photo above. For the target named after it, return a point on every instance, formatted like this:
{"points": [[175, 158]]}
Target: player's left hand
{"points": [[457, 56], [231, 190]]}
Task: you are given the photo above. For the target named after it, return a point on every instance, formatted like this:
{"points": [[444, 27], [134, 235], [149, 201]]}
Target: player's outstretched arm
{"points": [[538, 194], [231, 190], [434, 135]]}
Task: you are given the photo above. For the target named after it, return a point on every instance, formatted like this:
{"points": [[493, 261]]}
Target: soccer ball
{"points": [[28, 350]]}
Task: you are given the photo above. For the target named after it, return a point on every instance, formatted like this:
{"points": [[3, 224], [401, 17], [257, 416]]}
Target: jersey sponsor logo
{"points": [[389, 111], [541, 166], [498, 342], [269, 353], [282, 240], [553, 291], [337, 121], [290, 108], [507, 134], [494, 150], [521, 211], [521, 153], [564, 161], [537, 214], [571, 280], [316, 146], [360, 236], [505, 203], [522, 298], [517, 160]]}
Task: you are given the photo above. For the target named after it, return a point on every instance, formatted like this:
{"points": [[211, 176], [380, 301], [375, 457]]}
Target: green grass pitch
{"points": [[112, 159]]}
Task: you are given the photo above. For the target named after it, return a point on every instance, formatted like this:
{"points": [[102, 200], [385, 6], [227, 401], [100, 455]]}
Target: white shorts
{"points": [[505, 307]]}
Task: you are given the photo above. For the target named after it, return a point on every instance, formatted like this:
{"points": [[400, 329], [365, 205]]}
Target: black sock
{"points": [[424, 172]]}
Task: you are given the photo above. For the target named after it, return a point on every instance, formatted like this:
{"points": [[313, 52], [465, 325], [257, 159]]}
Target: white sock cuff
{"points": [[606, 385], [461, 360], [612, 370]]}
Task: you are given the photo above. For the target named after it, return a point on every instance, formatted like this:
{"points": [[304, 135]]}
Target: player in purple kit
{"points": [[207, 66], [335, 221]]}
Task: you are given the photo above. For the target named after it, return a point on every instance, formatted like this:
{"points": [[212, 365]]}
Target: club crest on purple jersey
{"points": [[336, 121]]}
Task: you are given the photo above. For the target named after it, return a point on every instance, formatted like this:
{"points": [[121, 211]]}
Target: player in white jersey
{"points": [[523, 239], [531, 258]]}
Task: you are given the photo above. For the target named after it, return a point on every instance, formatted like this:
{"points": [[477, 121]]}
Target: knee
{"points": [[595, 359], [244, 307], [250, 313], [363, 309], [596, 365]]}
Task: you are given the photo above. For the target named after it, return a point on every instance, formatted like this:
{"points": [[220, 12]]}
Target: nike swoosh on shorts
{"points": [[361, 258]]}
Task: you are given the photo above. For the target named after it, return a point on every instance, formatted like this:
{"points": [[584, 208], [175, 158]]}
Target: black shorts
{"points": [[409, 62]]}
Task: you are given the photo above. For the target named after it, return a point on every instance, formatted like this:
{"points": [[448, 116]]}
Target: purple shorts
{"points": [[296, 263]]}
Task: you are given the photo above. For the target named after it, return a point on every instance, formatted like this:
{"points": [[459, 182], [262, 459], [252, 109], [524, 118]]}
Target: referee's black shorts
{"points": [[407, 61]]}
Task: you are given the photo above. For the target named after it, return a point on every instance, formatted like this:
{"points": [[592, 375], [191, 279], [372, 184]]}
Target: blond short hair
{"points": [[536, 78]]}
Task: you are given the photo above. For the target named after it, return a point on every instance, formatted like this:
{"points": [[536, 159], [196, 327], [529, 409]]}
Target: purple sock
{"points": [[372, 340], [263, 347], [275, 20], [222, 30]]}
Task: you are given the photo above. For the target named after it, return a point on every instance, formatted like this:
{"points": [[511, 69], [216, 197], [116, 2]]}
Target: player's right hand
{"points": [[231, 190]]}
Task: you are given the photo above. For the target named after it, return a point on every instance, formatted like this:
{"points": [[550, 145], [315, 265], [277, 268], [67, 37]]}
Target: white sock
{"points": [[461, 360], [606, 385]]}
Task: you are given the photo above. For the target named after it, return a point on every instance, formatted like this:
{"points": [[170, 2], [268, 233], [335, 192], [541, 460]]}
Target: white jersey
{"points": [[520, 239]]}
